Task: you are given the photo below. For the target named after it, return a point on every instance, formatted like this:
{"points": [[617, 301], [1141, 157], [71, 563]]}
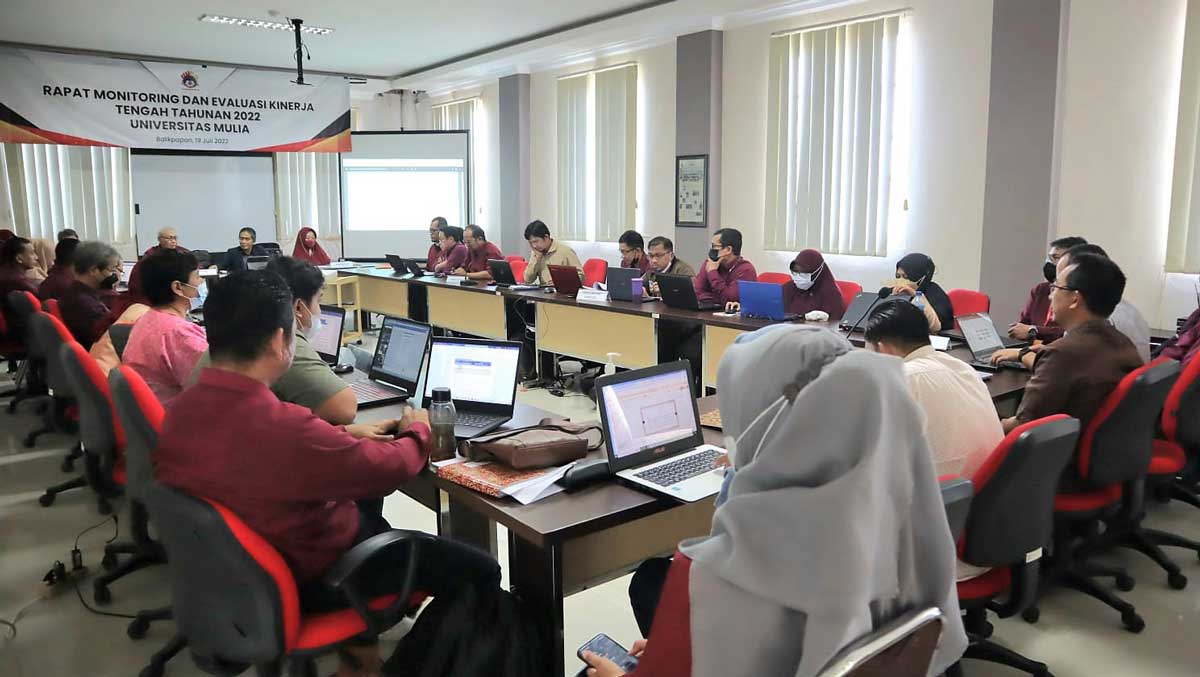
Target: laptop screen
{"points": [[400, 352], [647, 413], [478, 372], [329, 340], [980, 334]]}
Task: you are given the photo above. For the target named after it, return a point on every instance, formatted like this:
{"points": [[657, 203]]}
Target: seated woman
{"points": [[914, 273], [309, 249], [164, 345], [813, 288], [127, 309], [777, 588]]}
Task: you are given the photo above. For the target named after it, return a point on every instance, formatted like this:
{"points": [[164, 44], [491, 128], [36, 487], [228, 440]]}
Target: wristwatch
{"points": [[1033, 333], [1021, 355]]}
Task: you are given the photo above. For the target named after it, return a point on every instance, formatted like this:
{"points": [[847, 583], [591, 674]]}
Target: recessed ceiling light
{"points": [[260, 23]]}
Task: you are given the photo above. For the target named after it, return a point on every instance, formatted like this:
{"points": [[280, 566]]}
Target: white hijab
{"points": [[834, 527]]}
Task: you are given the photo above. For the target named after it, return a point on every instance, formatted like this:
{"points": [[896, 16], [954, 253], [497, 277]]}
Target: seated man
{"points": [[164, 344], [960, 419], [62, 274], [633, 251], [661, 252], [168, 238], [97, 270], [725, 267], [454, 252], [435, 237], [546, 252], [480, 252], [307, 512], [1035, 321], [17, 258], [235, 257]]}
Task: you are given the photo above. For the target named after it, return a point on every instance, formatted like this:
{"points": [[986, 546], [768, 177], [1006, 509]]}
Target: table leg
{"points": [[535, 575], [468, 526]]}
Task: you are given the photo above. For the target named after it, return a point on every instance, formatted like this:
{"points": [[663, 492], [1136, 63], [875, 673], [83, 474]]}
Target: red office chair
{"points": [[775, 278], [849, 291], [21, 305], [518, 265], [1113, 454], [1181, 429], [61, 414], [513, 259], [594, 270], [967, 302], [1010, 520], [51, 306], [236, 600], [12, 349]]}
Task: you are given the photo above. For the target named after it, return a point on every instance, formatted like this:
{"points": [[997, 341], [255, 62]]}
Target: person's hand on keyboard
{"points": [[722, 461], [1006, 355]]}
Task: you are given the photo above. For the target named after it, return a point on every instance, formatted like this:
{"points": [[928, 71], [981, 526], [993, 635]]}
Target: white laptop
{"points": [[652, 429]]}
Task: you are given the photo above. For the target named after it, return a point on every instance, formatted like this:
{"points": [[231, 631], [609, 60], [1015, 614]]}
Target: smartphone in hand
{"points": [[603, 645]]}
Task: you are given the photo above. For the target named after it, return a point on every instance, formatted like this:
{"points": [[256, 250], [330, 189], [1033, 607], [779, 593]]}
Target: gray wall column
{"points": [[514, 165], [698, 128], [1016, 204]]}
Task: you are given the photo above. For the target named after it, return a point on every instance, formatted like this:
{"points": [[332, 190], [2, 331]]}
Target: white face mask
{"points": [[314, 326], [779, 406], [196, 302], [803, 281]]}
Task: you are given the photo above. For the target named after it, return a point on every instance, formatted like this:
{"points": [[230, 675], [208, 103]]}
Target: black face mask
{"points": [[714, 254], [1049, 271], [110, 282]]}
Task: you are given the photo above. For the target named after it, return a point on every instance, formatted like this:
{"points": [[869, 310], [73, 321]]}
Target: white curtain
{"points": [[45, 188], [460, 115], [829, 145], [572, 159], [1183, 233], [306, 194], [616, 150]]}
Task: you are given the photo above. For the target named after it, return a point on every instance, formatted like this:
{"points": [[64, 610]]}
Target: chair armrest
{"points": [[1024, 588], [344, 573]]}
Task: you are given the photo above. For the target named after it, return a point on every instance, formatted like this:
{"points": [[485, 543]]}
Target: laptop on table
{"points": [[652, 430], [859, 307], [983, 340], [620, 284], [329, 341], [566, 280], [396, 366], [678, 292], [763, 300], [482, 378], [257, 262]]}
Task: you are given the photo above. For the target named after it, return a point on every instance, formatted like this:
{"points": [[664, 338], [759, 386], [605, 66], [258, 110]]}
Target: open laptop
{"points": [[859, 307], [566, 280], [329, 341], [653, 434], [763, 300], [678, 292], [396, 366], [983, 340], [257, 262], [502, 273], [482, 378], [400, 267], [1008, 341], [620, 284]]}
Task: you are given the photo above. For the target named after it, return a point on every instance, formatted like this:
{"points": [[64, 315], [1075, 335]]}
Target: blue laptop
{"points": [[763, 300]]}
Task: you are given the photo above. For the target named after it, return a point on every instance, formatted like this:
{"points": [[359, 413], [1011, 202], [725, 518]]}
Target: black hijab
{"points": [[919, 268]]}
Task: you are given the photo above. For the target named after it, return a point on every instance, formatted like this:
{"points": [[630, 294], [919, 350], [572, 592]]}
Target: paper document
{"points": [[539, 487], [940, 342]]}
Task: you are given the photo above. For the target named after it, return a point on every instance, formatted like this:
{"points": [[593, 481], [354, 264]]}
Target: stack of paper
{"points": [[496, 479]]}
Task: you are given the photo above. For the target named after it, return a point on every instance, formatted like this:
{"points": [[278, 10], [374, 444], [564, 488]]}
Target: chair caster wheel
{"points": [[1031, 615], [137, 629], [46, 500], [109, 562], [1125, 582], [102, 595], [68, 465], [1133, 622], [1177, 581]]}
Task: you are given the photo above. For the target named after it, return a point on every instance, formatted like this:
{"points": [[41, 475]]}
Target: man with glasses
{"points": [[97, 271], [661, 253], [1035, 321]]}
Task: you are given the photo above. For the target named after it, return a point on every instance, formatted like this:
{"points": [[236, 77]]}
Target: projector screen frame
{"points": [[341, 187]]}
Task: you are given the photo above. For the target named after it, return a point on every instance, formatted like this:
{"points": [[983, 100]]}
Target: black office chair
{"points": [[271, 249], [32, 384], [204, 258]]}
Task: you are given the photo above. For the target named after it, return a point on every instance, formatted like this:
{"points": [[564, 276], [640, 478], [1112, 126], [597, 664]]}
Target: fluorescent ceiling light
{"points": [[260, 23]]}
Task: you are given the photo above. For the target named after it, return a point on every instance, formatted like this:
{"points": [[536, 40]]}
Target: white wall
{"points": [[1119, 102], [655, 145], [951, 49]]}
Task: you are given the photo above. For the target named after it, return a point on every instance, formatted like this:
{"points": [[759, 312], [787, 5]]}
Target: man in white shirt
{"points": [[961, 424]]}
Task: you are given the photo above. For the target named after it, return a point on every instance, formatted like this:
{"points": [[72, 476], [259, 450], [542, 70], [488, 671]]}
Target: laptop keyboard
{"points": [[468, 420], [683, 469], [367, 391]]}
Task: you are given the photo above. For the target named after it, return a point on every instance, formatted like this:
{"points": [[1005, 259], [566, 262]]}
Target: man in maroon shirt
{"points": [[1035, 321], [435, 236], [480, 252], [454, 252], [725, 267], [633, 251], [17, 258], [97, 270], [168, 238], [291, 476], [62, 274]]}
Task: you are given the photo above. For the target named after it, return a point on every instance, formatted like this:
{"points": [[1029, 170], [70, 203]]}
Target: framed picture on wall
{"points": [[691, 191]]}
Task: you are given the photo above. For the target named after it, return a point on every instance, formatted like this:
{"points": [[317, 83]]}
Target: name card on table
{"points": [[592, 295]]}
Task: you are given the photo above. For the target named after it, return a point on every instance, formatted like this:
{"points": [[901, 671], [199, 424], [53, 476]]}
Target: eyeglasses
{"points": [[1062, 288]]}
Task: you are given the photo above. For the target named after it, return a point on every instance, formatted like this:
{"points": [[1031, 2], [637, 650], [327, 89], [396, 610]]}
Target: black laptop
{"points": [[482, 378], [396, 367], [620, 284], [502, 273], [399, 266], [859, 307], [678, 292]]}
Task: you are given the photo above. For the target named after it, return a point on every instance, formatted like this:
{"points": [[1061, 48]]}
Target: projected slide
{"points": [[401, 194]]}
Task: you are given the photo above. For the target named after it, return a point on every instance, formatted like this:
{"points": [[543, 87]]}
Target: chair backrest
{"points": [[47, 337], [513, 258], [99, 431], [518, 268], [272, 249], [21, 305], [957, 494], [51, 306], [232, 594], [1116, 445], [1013, 510], [774, 278], [968, 301], [140, 415], [1181, 413], [849, 291], [901, 648], [594, 270], [119, 333]]}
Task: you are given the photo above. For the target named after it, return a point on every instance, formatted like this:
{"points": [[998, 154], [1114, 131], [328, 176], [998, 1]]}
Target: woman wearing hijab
{"points": [[308, 249], [813, 288], [45, 254], [914, 273], [778, 587]]}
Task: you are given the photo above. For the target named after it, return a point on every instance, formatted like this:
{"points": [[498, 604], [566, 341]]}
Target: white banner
{"points": [[46, 97]]}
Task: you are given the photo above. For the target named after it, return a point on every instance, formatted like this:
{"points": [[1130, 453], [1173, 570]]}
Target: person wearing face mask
{"points": [[813, 287], [661, 252], [164, 345], [126, 310], [717, 281], [308, 248], [914, 273], [755, 597], [83, 304], [633, 251], [1035, 321]]}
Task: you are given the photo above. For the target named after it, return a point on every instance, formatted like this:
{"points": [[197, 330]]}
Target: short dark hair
{"points": [[899, 322], [90, 255], [243, 311], [730, 237], [660, 241], [440, 221], [67, 234], [1099, 280], [536, 229], [12, 248], [476, 232], [162, 268], [632, 239], [1068, 242], [1086, 249], [302, 277], [248, 229], [454, 233], [64, 251]]}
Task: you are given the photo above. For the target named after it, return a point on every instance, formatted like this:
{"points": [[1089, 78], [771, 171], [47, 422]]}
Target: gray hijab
{"points": [[835, 526]]}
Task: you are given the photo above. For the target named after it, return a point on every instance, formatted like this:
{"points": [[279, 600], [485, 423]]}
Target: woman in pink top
{"points": [[164, 345]]}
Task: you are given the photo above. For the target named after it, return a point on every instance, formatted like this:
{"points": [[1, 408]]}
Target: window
{"points": [[307, 189], [597, 152], [462, 115], [1183, 233], [837, 138], [45, 188]]}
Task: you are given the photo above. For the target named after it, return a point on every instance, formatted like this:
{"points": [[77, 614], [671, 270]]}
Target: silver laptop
{"points": [[396, 366], [983, 340], [652, 429], [329, 341], [482, 378]]}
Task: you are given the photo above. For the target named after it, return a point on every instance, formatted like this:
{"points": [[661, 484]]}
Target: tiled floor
{"points": [[1076, 636]]}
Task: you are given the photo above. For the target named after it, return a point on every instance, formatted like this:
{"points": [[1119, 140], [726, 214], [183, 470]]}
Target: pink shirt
{"points": [[164, 349]]}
